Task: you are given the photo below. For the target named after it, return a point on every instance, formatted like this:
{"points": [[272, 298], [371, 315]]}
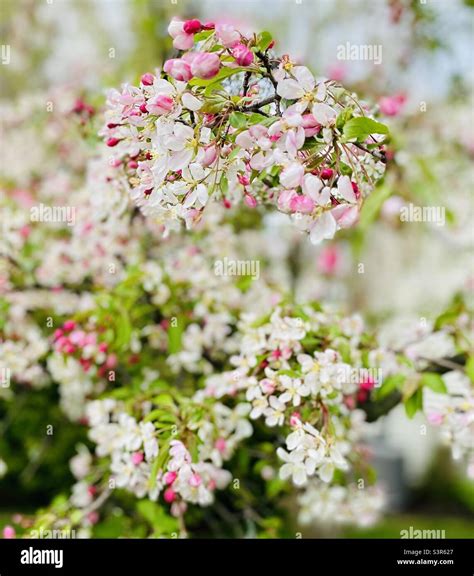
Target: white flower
{"points": [[80, 464], [294, 390], [294, 466], [275, 413], [297, 87], [3, 468]]}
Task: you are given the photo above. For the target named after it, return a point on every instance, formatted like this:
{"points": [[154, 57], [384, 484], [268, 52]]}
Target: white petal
{"points": [[323, 229], [290, 89], [191, 102], [344, 187], [304, 77]]}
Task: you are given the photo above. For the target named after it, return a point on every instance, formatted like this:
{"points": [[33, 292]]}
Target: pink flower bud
{"points": [[310, 125], [302, 204], [69, 325], [326, 173], [205, 65], [161, 104], [111, 361], [57, 333], [170, 477], [143, 108], [243, 56], [170, 495], [210, 155], [179, 69], [295, 419], [133, 164], [267, 385], [220, 445], [147, 79], [192, 26], [195, 481], [111, 142], [243, 179], [137, 458], [9, 532], [93, 517], [250, 201]]}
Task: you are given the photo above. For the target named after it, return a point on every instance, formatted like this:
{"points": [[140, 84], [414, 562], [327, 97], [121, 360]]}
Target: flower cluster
{"points": [[201, 128]]}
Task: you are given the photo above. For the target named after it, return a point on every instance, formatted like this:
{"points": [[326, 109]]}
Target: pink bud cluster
{"points": [[85, 347]]}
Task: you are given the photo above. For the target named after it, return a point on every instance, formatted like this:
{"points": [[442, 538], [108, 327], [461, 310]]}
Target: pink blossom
{"points": [[181, 39], [310, 125], [137, 458], [345, 216], [195, 481], [285, 198], [179, 69], [292, 175], [170, 477], [205, 65], [9, 532], [160, 104], [328, 259], [435, 418], [227, 34], [243, 56], [391, 105], [221, 444], [300, 203]]}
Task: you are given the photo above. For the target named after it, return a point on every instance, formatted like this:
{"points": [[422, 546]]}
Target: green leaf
{"points": [[200, 36], [389, 384], [224, 72], [159, 463], [161, 522], [414, 403], [264, 39], [470, 368], [434, 382], [238, 120], [343, 117], [361, 127], [372, 206], [174, 337], [224, 184]]}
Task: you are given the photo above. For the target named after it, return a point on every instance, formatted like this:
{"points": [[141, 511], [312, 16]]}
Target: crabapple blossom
{"points": [[299, 150]]}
